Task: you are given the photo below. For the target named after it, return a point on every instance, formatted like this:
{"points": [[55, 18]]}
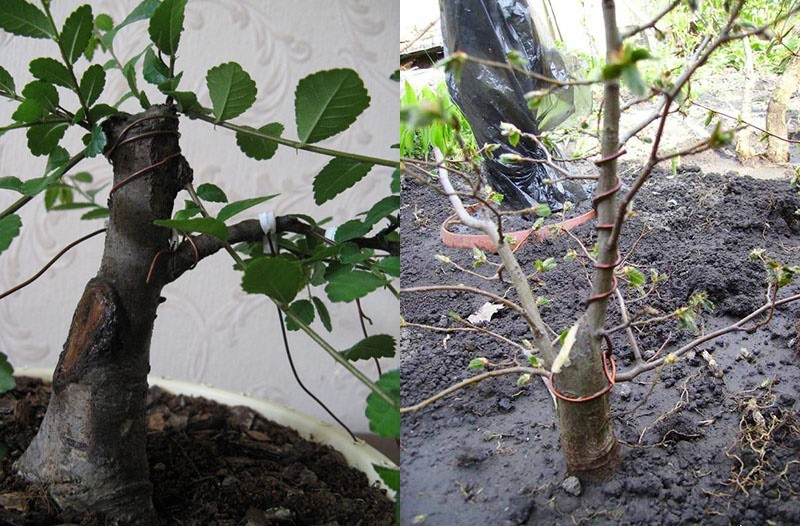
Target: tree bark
{"points": [[777, 147], [90, 448], [587, 436]]}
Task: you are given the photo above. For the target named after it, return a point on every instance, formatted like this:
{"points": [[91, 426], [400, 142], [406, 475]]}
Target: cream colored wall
{"points": [[208, 330]]}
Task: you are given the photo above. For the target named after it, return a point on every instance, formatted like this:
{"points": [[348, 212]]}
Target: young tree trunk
{"points": [[90, 449], [744, 150], [777, 147], [586, 432]]}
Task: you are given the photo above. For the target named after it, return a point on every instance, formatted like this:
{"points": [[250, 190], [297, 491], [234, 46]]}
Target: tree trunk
{"points": [[587, 436], [777, 147], [744, 150], [90, 449], [590, 448]]}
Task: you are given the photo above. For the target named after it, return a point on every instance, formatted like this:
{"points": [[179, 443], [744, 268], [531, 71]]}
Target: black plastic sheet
{"points": [[490, 29]]}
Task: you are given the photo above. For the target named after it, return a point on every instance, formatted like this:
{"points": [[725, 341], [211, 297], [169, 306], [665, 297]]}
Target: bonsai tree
{"points": [[578, 366], [90, 448]]}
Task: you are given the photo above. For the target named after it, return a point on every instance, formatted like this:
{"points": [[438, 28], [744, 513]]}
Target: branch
{"points": [[249, 230], [652, 23], [475, 379], [734, 327], [297, 145]]}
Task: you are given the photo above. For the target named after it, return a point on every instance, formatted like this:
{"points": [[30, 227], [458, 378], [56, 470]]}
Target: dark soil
{"points": [[210, 465], [712, 444]]}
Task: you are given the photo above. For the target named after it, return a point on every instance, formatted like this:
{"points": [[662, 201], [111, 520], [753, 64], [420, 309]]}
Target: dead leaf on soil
{"points": [[15, 501], [485, 313]]}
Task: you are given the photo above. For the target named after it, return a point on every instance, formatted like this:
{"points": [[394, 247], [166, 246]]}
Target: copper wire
{"points": [[141, 172], [609, 369]]}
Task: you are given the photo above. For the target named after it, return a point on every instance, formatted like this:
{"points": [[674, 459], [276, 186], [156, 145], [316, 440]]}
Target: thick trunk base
{"points": [[588, 443]]}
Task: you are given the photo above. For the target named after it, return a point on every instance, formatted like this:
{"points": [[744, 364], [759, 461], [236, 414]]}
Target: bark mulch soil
{"points": [[209, 465], [716, 441]]}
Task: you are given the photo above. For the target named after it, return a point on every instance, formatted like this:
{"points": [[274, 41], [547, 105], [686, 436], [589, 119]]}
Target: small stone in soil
{"points": [[572, 486], [521, 507], [505, 405], [472, 455]]}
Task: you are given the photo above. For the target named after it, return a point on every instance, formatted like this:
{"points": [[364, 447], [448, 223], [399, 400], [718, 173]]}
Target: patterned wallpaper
{"points": [[209, 331]]}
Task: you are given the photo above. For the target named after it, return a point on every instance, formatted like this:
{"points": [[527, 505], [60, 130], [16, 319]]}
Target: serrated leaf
{"points": [[228, 211], [76, 33], [258, 147], [382, 209], [153, 68], [390, 265], [9, 229], [351, 230], [24, 19], [322, 311], [337, 176], [103, 22], [7, 381], [166, 25], [376, 346], [92, 83], [29, 111], [96, 141], [43, 138], [53, 71], [304, 310], [203, 225], [635, 276], [384, 420], [351, 285], [390, 477], [278, 278], [232, 90], [11, 183], [143, 11], [212, 193], [43, 93], [327, 103]]}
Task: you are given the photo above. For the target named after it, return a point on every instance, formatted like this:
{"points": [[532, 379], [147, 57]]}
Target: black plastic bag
{"points": [[490, 29]]}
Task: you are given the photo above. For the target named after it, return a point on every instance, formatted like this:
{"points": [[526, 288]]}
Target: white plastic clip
{"points": [[330, 233], [270, 229]]}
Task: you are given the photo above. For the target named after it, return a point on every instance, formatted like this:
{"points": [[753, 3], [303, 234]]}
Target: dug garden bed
{"points": [[210, 464], [713, 439]]}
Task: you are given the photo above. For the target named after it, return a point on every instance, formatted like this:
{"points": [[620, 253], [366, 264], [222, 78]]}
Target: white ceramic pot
{"points": [[359, 455]]}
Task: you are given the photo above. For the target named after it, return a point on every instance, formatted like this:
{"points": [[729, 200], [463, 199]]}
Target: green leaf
{"points": [[29, 111], [56, 165], [327, 103], [384, 420], [166, 25], [103, 22], [478, 363], [96, 142], [633, 79], [337, 176], [204, 225], [97, 213], [258, 147], [43, 138], [377, 346], [304, 310], [322, 311], [382, 209], [76, 33], [92, 83], [228, 211], [43, 93], [9, 229], [391, 477], [390, 265], [6, 82], [232, 90], [187, 101], [154, 69], [278, 278], [351, 230], [351, 285], [635, 276], [211, 192], [11, 183], [101, 111], [142, 11], [24, 19], [7, 381], [53, 71]]}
